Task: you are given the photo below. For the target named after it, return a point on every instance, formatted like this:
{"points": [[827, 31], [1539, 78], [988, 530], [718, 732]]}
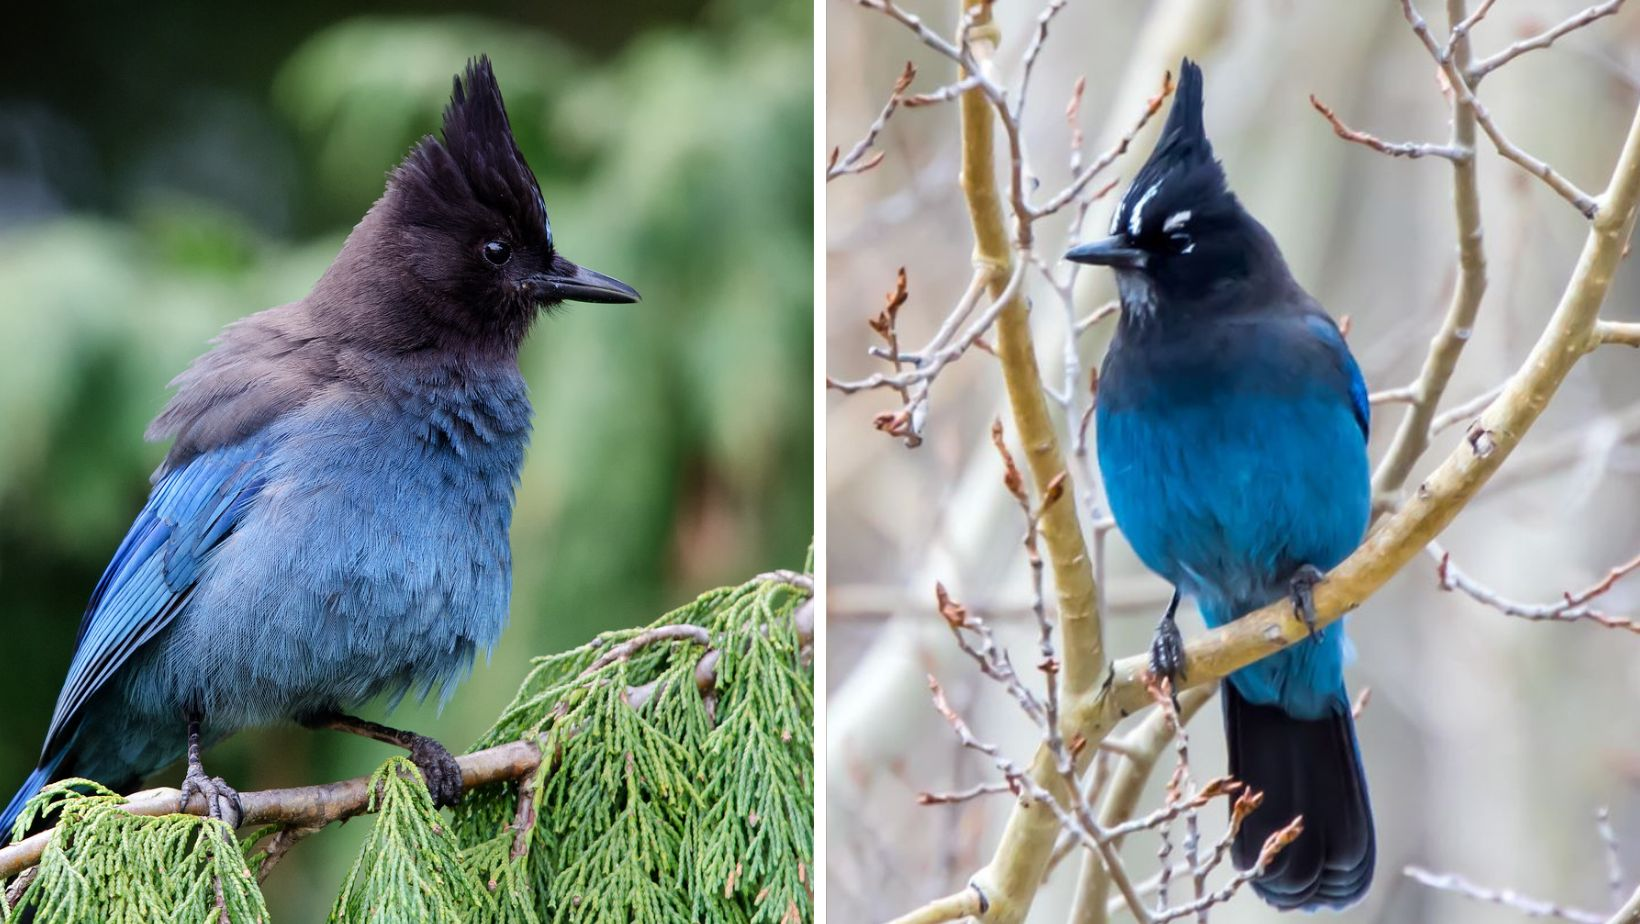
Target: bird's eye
{"points": [[497, 252]]}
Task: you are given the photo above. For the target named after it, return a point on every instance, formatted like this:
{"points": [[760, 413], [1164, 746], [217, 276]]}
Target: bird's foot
{"points": [[1302, 589], [1167, 652], [221, 800], [438, 769]]}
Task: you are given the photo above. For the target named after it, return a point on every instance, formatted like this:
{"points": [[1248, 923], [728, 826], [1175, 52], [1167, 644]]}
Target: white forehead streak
{"points": [[1136, 218], [1175, 221]]}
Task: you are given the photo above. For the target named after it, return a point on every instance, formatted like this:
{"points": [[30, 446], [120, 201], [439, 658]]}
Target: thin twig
{"points": [[1412, 436], [280, 844], [1466, 411], [1543, 39], [855, 161], [1614, 859], [1082, 179], [1456, 67], [1413, 150], [1572, 607], [962, 795], [1509, 898]]}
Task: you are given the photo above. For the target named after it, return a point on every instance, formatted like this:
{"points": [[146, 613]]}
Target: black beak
{"points": [[1111, 251], [571, 283]]}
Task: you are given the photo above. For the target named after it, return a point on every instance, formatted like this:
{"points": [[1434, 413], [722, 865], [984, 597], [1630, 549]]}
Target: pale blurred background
{"points": [[1490, 742], [168, 170]]}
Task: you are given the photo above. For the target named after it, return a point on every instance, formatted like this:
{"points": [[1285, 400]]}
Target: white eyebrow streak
{"points": [[1136, 218], [1175, 221]]}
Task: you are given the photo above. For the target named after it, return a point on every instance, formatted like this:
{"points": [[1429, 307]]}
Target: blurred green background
{"points": [[161, 176]]}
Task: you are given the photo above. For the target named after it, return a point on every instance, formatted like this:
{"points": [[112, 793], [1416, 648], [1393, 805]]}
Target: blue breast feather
{"points": [[1227, 469]]}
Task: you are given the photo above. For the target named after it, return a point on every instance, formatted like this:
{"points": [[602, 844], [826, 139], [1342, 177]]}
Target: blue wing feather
{"points": [[1330, 335], [191, 510]]}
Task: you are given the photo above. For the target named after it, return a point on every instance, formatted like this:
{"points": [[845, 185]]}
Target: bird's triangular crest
{"points": [[1181, 168], [478, 155]]}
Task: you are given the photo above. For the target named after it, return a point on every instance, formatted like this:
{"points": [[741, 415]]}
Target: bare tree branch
{"points": [[1543, 39], [855, 161], [1572, 607], [1509, 898], [1412, 436], [1393, 149], [1618, 332], [1455, 65]]}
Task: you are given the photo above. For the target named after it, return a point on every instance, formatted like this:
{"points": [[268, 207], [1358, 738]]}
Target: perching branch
{"points": [[301, 807]]}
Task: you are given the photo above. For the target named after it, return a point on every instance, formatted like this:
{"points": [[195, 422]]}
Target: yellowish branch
{"points": [[1412, 437], [954, 907], [1011, 880], [993, 252], [1621, 333]]}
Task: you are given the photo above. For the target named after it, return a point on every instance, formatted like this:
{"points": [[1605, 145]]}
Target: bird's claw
{"points": [[1167, 657], [221, 800], [438, 769], [1302, 589], [1167, 652]]}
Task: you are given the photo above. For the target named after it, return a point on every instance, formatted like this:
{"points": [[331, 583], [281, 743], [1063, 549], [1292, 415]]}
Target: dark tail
{"points": [[1310, 768]]}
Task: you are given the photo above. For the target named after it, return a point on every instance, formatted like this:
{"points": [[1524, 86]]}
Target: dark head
{"points": [[460, 244], [1179, 235]]}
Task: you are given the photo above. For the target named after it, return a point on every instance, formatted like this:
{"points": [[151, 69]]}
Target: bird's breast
{"points": [[1226, 469]]}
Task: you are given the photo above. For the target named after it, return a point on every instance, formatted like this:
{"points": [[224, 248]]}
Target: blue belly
{"points": [[1227, 494]]}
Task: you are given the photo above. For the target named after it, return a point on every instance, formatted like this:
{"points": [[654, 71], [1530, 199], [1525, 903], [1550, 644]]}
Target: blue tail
{"points": [[31, 787]]}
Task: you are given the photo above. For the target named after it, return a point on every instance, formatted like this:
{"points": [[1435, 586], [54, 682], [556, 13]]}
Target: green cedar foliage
{"points": [[676, 785], [667, 795], [107, 866]]}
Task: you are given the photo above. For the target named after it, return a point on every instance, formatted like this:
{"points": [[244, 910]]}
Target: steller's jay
{"points": [[330, 524], [1232, 437]]}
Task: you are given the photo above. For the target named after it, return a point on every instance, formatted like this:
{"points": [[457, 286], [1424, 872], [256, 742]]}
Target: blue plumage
{"points": [[1232, 427], [331, 524], [1232, 455]]}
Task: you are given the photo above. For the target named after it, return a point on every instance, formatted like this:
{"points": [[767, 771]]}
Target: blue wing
{"points": [[1324, 327], [191, 510]]}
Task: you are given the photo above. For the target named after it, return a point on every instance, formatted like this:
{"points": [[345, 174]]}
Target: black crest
{"points": [[477, 161], [1181, 174]]}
